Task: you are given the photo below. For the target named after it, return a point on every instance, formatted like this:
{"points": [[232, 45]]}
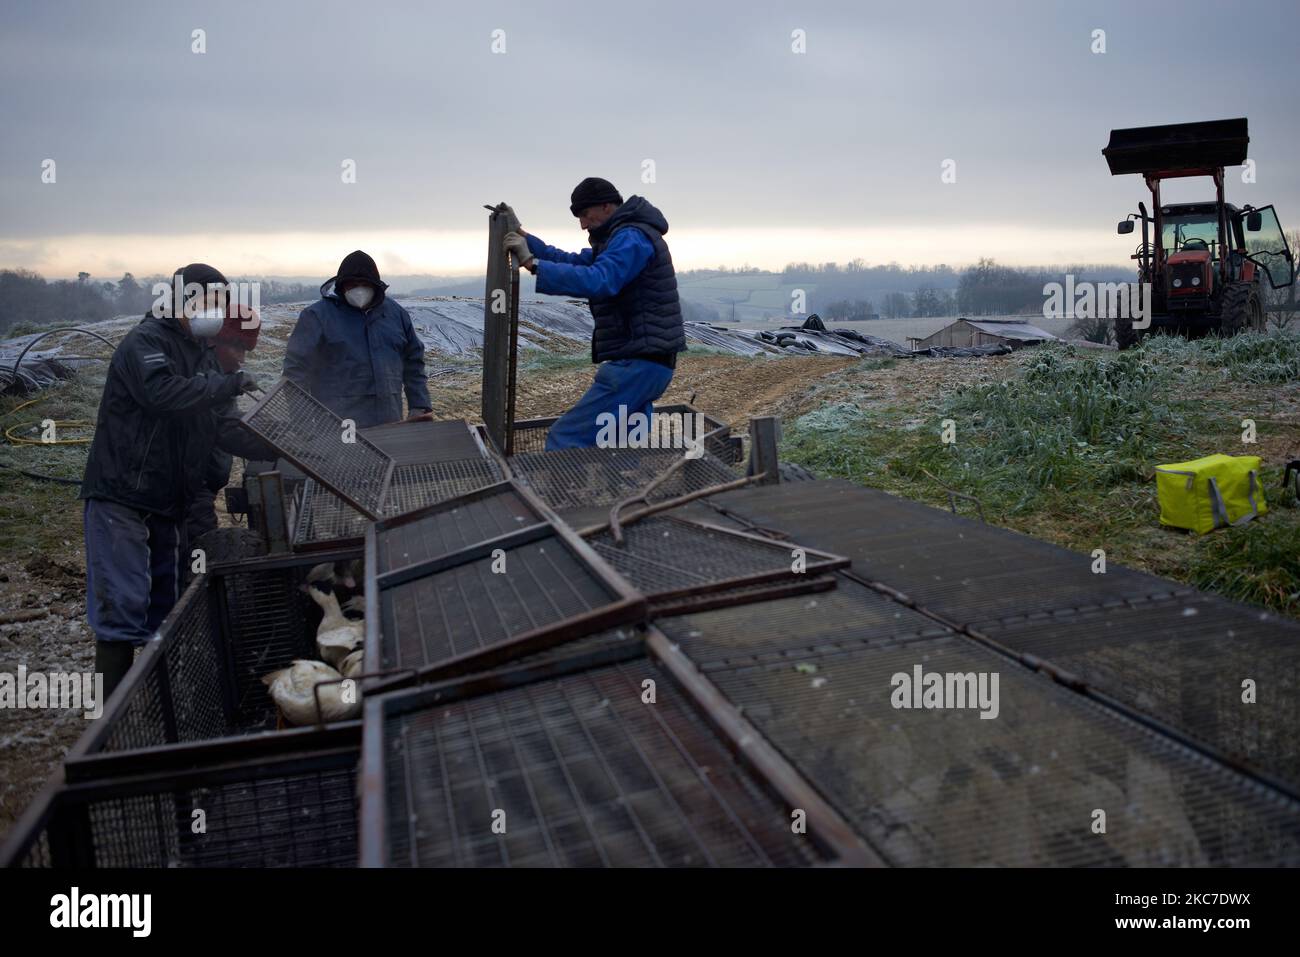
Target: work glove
{"points": [[512, 221], [517, 246], [246, 382]]}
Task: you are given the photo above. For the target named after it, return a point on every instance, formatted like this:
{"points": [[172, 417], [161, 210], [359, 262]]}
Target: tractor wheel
{"points": [[1241, 310], [1125, 337]]}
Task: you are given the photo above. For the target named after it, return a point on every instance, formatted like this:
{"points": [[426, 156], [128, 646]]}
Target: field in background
{"points": [[898, 330]]}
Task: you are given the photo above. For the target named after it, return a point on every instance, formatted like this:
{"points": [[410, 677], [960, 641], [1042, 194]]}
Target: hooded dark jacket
{"points": [[166, 407], [358, 363]]}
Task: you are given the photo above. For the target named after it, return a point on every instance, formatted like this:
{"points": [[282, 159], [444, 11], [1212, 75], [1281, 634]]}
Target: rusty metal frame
{"points": [[627, 606], [692, 604], [341, 492], [832, 833]]}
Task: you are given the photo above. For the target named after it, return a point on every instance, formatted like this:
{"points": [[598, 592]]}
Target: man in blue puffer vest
{"points": [[355, 350], [627, 278]]}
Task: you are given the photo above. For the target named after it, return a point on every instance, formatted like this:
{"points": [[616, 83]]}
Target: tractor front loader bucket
{"points": [[1177, 147]]}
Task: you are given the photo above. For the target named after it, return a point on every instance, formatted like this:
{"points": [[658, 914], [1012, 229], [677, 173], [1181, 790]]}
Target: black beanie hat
{"points": [[593, 191], [200, 273]]}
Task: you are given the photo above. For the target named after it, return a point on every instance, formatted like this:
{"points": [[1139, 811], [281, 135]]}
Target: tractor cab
{"points": [[1204, 261]]}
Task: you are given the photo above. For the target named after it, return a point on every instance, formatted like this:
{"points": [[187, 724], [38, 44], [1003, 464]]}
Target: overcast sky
{"points": [[761, 154]]}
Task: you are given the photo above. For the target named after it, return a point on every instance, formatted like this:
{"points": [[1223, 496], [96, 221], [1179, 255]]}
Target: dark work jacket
{"points": [[358, 363], [166, 408]]}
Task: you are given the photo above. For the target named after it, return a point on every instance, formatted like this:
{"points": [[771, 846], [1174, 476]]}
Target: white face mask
{"points": [[359, 296], [206, 323]]}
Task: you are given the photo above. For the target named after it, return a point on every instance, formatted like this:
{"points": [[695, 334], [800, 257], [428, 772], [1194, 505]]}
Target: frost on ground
{"points": [[33, 742]]}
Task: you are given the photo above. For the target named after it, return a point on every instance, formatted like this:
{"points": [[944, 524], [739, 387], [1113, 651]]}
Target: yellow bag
{"points": [[1210, 493]]}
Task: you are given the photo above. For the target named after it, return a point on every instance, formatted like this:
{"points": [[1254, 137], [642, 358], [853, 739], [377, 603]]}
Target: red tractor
{"points": [[1207, 260]]}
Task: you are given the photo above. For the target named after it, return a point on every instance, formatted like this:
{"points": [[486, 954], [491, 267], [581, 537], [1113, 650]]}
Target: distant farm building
{"points": [[965, 333]]}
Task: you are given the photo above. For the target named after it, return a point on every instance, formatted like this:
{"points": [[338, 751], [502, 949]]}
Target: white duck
{"points": [[336, 636], [292, 690], [354, 664]]}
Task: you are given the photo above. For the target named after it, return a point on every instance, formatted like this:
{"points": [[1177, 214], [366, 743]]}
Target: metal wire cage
{"points": [[201, 679], [295, 807], [446, 596], [571, 770], [1149, 645], [940, 785], [1185, 660]]}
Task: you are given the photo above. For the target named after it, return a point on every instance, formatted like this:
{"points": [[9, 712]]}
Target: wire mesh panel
{"points": [[325, 518], [1225, 673], [790, 629], [965, 570], [930, 785], [312, 437], [470, 607], [574, 772], [578, 478], [280, 811], [451, 526], [176, 689], [665, 556], [530, 435], [416, 485], [416, 443], [1151, 644]]}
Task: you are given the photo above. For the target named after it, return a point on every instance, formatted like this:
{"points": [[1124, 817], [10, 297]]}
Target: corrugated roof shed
{"points": [[1012, 330], [980, 332]]}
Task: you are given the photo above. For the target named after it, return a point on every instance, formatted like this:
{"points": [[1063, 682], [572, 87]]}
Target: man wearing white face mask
{"points": [[356, 350], [160, 418]]}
